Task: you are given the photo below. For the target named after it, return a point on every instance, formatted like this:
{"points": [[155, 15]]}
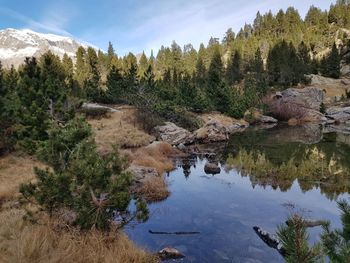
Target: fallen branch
{"points": [[174, 233], [270, 239], [310, 222]]}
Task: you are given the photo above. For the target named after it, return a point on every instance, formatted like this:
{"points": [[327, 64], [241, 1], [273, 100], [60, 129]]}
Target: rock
{"points": [[181, 147], [345, 82], [215, 131], [173, 134], [310, 98], [267, 119], [345, 70], [301, 104], [170, 253], [255, 116], [142, 173], [211, 168], [338, 114]]}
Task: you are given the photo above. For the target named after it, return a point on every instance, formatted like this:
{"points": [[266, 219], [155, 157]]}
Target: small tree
{"points": [[330, 64], [94, 188], [336, 243], [294, 238]]}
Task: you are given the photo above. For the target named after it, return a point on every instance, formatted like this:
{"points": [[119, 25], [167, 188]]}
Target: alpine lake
{"points": [[266, 174]]}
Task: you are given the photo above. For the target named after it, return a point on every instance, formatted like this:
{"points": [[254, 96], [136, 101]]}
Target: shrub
{"points": [[92, 187]]}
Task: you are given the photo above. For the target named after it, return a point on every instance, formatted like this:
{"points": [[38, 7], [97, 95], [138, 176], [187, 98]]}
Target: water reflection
{"points": [[283, 155], [225, 207]]}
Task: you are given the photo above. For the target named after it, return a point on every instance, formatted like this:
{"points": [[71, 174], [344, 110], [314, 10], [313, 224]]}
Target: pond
{"points": [[266, 174]]}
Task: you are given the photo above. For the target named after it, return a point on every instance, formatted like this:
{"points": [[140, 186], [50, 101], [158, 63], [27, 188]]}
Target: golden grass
{"points": [[15, 170], [225, 120], [119, 128], [157, 155], [21, 241], [154, 189]]}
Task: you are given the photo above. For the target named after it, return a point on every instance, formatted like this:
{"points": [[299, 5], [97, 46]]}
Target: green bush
{"points": [[95, 188]]}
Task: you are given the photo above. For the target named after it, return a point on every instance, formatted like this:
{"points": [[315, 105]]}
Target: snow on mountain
{"points": [[16, 45]]}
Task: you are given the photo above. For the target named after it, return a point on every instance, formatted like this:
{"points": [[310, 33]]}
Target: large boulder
{"points": [[301, 104], [173, 134], [338, 114], [218, 128]]}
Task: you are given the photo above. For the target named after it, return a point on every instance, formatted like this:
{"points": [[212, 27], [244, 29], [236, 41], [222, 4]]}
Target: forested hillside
{"points": [[275, 52]]}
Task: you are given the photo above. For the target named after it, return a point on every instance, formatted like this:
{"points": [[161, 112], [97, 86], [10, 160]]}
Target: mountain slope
{"points": [[15, 45]]}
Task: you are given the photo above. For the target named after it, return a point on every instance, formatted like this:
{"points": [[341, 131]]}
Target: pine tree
{"points": [[216, 89], [116, 85], [336, 243], [294, 238], [330, 64], [93, 187], [143, 65], [33, 115], [81, 72], [233, 70], [92, 84]]}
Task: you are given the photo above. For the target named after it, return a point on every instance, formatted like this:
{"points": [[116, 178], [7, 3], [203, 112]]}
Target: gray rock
{"points": [[142, 173], [181, 147], [170, 253], [211, 168], [173, 134], [338, 114], [301, 104], [345, 82], [215, 131], [266, 119]]}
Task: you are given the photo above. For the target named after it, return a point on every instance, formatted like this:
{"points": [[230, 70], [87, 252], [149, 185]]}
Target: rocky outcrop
{"points": [[142, 173], [216, 130], [301, 104], [173, 134], [333, 88], [211, 168], [339, 114]]}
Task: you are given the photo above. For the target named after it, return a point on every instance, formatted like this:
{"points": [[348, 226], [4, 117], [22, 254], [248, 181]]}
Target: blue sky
{"points": [[138, 25]]}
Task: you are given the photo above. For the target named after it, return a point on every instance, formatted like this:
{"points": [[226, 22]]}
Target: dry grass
{"points": [[154, 189], [157, 155], [15, 170], [225, 120], [21, 241], [119, 128]]}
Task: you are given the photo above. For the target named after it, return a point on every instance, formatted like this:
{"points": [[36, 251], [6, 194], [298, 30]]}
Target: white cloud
{"points": [[52, 23]]}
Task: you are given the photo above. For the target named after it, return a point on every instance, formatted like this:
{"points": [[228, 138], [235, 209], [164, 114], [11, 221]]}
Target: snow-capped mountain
{"points": [[16, 44]]}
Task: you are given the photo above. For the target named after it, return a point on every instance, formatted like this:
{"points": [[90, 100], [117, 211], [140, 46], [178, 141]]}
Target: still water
{"points": [[225, 207]]}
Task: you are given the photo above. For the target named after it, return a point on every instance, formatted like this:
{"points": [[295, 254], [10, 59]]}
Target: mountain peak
{"points": [[17, 44]]}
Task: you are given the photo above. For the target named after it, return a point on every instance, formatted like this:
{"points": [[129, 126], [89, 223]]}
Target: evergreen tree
{"points": [[143, 65], [95, 188], [81, 66], [336, 243], [33, 115], [216, 90], [233, 70], [116, 85], [92, 84], [330, 64]]}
